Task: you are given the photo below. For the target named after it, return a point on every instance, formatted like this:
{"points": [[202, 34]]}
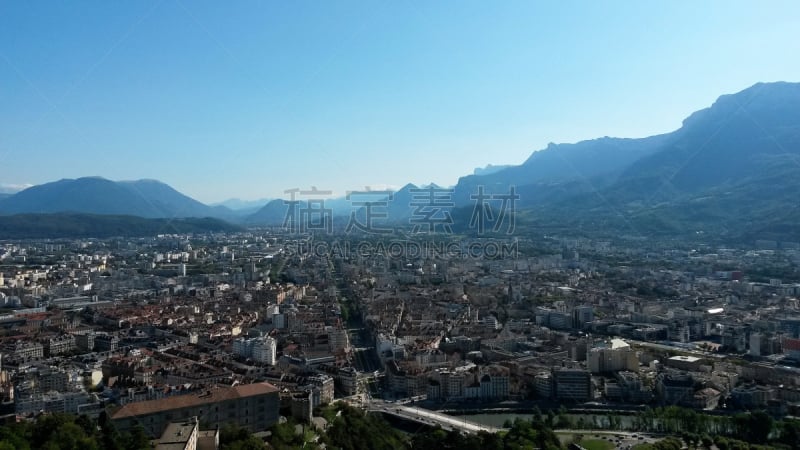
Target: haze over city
{"points": [[399, 225]]}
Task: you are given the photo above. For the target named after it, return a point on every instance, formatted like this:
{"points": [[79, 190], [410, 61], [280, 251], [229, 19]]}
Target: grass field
{"points": [[642, 447], [596, 444]]}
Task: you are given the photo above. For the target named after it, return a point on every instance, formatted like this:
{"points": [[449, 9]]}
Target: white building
{"points": [[612, 357], [52, 401], [259, 349], [264, 350]]}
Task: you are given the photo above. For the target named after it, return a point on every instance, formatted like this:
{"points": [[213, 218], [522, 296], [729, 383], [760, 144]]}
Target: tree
{"points": [[283, 436], [761, 425], [669, 443], [45, 426], [70, 432], [354, 429], [550, 418], [137, 439], [250, 443], [790, 432], [537, 415], [428, 440], [88, 425], [753, 427], [70, 436], [563, 420], [691, 439], [490, 441], [18, 436], [109, 436]]}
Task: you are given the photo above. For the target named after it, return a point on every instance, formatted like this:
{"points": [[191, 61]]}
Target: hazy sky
{"points": [[247, 99]]}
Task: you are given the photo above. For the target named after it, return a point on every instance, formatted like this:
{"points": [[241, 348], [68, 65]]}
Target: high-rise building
{"points": [[573, 384], [338, 340], [85, 341], [543, 385], [613, 356], [452, 385], [675, 388], [582, 316], [755, 344], [264, 350]]}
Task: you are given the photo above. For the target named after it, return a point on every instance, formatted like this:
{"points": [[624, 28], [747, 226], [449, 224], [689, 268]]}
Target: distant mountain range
{"points": [[732, 169], [243, 207], [489, 169], [96, 195], [738, 135]]}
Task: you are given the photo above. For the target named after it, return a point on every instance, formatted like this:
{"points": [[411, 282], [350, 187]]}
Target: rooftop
{"points": [[618, 343], [685, 358], [176, 435], [214, 395]]}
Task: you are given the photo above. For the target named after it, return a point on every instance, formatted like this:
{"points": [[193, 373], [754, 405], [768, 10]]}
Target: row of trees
{"points": [[522, 434], [708, 443], [752, 427], [351, 429], [69, 432]]}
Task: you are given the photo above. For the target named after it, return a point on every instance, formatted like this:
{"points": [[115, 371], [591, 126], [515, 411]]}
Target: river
{"points": [[592, 420]]}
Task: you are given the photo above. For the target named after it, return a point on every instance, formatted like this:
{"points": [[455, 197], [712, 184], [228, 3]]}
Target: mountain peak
{"points": [[407, 187], [98, 195], [431, 185], [144, 181], [91, 178], [774, 98]]}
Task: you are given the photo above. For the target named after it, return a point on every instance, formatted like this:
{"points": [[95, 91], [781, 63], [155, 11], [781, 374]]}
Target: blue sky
{"points": [[248, 99]]}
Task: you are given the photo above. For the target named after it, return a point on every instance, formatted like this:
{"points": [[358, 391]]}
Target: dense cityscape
{"points": [[447, 225], [240, 328]]}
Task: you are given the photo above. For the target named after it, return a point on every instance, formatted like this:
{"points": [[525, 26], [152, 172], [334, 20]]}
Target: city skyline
{"points": [[249, 100]]}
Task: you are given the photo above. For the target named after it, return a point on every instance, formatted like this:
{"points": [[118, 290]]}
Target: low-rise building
{"points": [[683, 362], [106, 343], [752, 396], [186, 435]]}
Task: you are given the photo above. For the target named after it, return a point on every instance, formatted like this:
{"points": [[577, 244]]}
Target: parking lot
{"points": [[600, 440]]}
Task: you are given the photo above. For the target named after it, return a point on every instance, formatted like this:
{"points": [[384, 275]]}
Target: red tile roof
{"points": [[214, 395]]}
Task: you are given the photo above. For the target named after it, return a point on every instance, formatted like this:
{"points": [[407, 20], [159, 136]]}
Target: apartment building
{"points": [[253, 406]]}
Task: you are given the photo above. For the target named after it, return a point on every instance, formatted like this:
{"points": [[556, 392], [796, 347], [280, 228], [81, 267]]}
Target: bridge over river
{"points": [[428, 417]]}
